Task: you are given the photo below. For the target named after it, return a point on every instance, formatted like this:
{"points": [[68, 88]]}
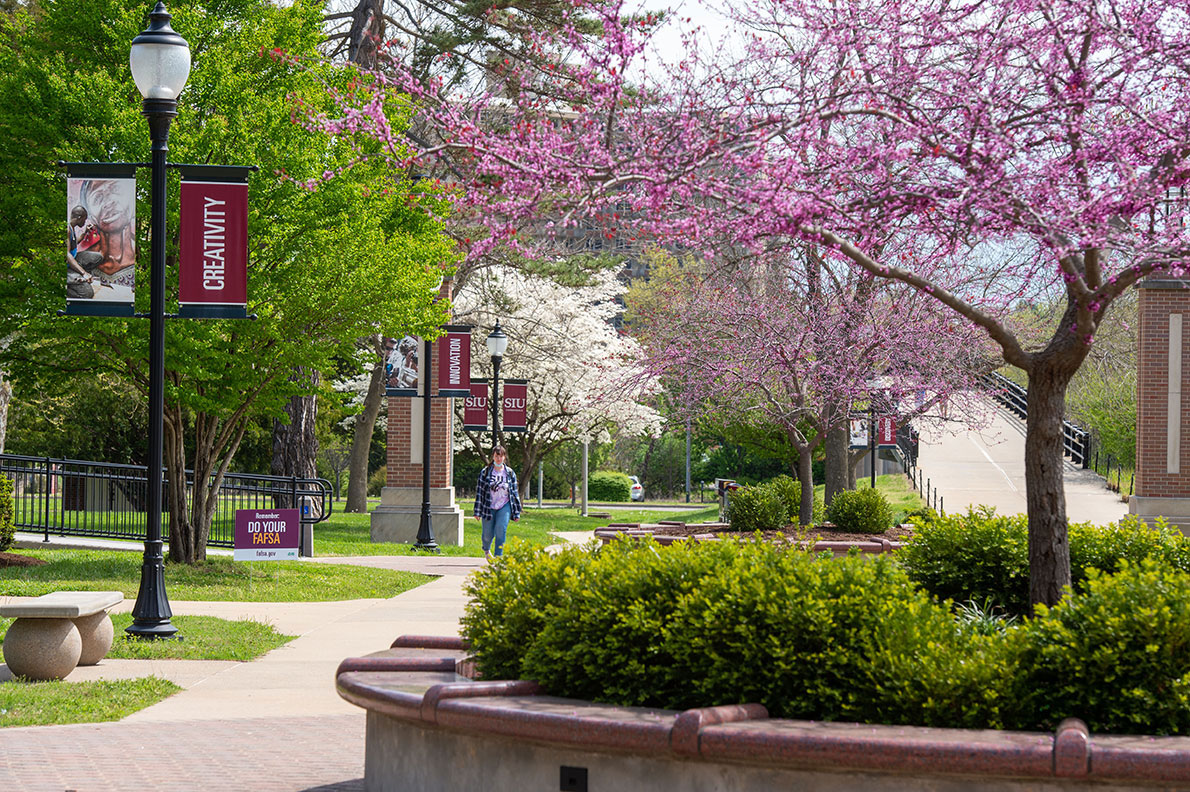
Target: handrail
{"points": [[1076, 441]]}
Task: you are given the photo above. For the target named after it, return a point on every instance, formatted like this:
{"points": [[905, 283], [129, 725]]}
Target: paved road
{"points": [[988, 467]]}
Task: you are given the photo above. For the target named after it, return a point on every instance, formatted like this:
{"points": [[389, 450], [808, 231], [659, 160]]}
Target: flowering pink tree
{"points": [[772, 348], [1007, 147]]}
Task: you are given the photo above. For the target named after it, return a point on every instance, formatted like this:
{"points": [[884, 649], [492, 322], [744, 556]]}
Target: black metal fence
{"points": [[1076, 441], [907, 442], [71, 497]]}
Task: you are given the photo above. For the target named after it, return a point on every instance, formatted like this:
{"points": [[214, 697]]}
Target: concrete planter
{"points": [[432, 726]]}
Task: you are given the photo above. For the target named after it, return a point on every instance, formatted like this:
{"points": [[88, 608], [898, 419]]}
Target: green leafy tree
{"points": [[357, 254]]}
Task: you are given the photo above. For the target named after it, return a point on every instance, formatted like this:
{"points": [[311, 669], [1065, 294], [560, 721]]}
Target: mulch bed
{"points": [[823, 533], [15, 560]]}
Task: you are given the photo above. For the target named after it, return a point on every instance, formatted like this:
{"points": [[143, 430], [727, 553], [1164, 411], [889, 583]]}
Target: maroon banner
{"points": [[454, 362], [886, 431], [475, 407], [515, 399], [213, 249]]}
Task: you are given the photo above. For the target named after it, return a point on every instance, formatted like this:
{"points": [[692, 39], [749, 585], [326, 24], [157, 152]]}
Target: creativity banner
{"points": [[100, 239], [475, 408], [454, 362], [402, 366], [515, 401], [213, 247]]}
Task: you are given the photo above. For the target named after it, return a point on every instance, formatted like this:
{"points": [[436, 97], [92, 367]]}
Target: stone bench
{"points": [[56, 632]]}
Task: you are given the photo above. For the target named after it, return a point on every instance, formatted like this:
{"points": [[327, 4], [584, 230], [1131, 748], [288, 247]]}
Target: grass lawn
{"points": [[217, 579], [47, 703], [350, 534]]}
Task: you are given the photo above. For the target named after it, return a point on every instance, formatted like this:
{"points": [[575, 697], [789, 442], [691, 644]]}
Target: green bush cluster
{"points": [[7, 529], [609, 487], [984, 557], [813, 637], [769, 506], [860, 511]]}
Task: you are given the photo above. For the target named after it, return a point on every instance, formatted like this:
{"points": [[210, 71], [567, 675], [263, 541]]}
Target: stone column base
{"points": [[1176, 511], [398, 516]]}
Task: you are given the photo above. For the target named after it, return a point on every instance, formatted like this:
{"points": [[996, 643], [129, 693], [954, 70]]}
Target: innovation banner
{"points": [[213, 248], [515, 399], [100, 239], [475, 407], [454, 362]]}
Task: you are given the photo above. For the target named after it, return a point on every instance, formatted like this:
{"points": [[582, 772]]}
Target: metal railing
{"points": [[1076, 441], [907, 447], [71, 497]]}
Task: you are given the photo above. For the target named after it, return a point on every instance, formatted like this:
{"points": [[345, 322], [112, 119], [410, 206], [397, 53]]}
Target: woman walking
{"points": [[496, 502]]}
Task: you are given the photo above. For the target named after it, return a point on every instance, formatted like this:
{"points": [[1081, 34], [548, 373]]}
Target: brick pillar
{"points": [[398, 516], [1163, 381]]}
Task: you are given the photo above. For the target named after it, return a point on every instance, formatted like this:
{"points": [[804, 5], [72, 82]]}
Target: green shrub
{"points": [[789, 490], [1116, 654], [700, 624], [378, 481], [860, 511], [7, 530], [984, 557], [977, 556], [609, 487], [757, 508], [509, 601]]}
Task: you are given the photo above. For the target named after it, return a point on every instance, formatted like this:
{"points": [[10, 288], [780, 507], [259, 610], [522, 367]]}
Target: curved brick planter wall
{"points": [[657, 532], [432, 727]]}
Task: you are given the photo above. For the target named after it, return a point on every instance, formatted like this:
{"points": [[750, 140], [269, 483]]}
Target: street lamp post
{"points": [[160, 62], [497, 342], [425, 528]]}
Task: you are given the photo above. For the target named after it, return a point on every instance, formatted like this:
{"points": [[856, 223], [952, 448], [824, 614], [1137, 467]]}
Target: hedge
{"points": [[818, 638]]}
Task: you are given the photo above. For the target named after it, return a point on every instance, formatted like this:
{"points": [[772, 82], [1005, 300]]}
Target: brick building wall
{"points": [[1162, 452]]}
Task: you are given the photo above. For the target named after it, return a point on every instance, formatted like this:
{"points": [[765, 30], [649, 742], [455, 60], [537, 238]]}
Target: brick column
{"points": [[398, 516], [1163, 381]]}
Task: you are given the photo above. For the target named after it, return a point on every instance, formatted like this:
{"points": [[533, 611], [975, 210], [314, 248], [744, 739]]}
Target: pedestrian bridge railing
{"points": [[1076, 441], [71, 497]]}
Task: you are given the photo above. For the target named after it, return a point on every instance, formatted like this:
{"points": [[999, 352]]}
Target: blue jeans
{"points": [[496, 527]]}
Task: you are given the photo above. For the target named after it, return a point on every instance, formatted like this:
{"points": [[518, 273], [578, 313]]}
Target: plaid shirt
{"points": [[483, 494]]}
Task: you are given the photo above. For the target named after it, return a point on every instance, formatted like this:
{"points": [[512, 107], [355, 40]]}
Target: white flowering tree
{"points": [[582, 373]]}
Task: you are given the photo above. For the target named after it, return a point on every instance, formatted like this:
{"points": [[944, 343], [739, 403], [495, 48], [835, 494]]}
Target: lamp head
{"points": [[497, 342], [159, 58]]}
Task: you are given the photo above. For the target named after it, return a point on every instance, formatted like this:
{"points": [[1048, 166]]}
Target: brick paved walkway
{"points": [[303, 754]]}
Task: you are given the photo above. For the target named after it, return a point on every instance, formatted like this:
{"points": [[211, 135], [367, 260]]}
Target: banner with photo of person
{"points": [[515, 398], [454, 361], [100, 239], [476, 416], [402, 366], [213, 242]]}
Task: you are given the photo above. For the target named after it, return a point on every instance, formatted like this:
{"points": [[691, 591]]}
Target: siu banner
{"points": [[213, 272], [454, 362], [515, 397]]}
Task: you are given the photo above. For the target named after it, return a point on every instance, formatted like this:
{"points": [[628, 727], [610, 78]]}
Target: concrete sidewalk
{"points": [[988, 468], [275, 723]]}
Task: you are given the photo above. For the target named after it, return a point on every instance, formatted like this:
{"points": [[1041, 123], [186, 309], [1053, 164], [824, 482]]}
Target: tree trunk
{"points": [[1045, 494], [838, 456], [295, 445], [806, 479], [361, 442], [5, 398]]}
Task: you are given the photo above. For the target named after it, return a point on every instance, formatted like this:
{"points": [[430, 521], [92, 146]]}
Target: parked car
{"points": [[637, 492]]}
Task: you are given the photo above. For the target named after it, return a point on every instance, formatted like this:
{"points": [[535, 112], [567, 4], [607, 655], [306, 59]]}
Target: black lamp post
{"points": [[497, 342], [160, 63], [425, 528]]}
